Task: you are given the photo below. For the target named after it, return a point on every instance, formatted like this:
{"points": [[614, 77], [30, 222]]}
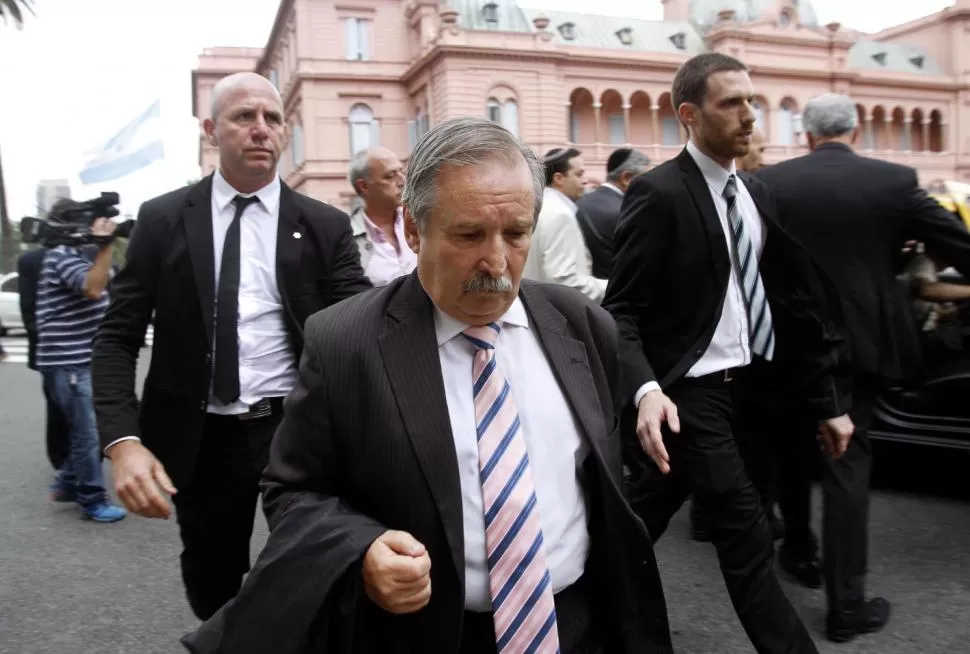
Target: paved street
{"points": [[73, 587]]}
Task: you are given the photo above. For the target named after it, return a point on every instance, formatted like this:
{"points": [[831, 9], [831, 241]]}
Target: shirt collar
{"points": [[611, 187], [714, 173], [375, 232], [224, 193], [562, 196], [447, 327]]}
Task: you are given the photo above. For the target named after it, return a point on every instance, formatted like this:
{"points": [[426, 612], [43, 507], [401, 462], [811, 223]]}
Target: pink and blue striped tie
{"points": [[522, 604]]}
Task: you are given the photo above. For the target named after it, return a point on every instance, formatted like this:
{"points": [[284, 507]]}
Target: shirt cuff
{"points": [[115, 442], [643, 390]]}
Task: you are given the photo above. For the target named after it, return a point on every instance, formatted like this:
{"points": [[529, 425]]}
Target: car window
{"points": [[9, 285]]}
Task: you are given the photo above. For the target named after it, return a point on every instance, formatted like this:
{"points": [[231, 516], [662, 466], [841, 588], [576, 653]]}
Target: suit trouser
{"points": [[216, 509], [705, 462], [578, 633]]}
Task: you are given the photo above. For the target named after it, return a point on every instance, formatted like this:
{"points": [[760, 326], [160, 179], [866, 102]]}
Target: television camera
{"points": [[69, 223]]}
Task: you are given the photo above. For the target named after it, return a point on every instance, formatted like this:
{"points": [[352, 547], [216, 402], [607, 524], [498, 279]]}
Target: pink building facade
{"points": [[358, 73]]}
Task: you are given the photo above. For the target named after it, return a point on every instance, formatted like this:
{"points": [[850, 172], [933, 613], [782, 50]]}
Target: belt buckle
{"points": [[261, 409], [727, 375]]}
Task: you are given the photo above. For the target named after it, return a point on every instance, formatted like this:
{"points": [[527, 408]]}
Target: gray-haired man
{"points": [[465, 497], [598, 210], [854, 214]]}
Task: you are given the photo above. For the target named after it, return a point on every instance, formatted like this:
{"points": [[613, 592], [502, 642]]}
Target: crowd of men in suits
{"points": [[471, 409]]}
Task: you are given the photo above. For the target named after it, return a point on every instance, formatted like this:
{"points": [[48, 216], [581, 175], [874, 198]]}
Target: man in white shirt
{"points": [[227, 270], [706, 289], [558, 254]]}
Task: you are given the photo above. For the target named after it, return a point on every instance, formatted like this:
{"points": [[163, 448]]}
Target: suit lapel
{"points": [[289, 244], [701, 194], [570, 363], [198, 230], [410, 351]]}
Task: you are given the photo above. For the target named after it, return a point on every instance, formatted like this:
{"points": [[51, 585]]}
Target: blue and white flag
{"points": [[136, 146]]}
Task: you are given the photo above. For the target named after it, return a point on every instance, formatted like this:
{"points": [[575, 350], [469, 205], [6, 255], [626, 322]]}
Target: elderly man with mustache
{"points": [[447, 476]]}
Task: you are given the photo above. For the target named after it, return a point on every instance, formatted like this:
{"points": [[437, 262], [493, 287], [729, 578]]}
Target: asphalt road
{"points": [[74, 587]]}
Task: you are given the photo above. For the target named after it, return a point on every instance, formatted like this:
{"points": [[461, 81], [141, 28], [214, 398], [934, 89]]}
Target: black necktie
{"points": [[225, 384]]}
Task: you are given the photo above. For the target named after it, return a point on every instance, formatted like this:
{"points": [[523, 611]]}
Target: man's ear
{"points": [[411, 233], [209, 129]]}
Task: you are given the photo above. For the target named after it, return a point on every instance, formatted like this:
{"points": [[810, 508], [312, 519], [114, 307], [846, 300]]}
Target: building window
{"points": [[510, 116], [274, 78], [679, 40], [617, 129], [417, 128], [364, 129], [625, 35], [297, 144], [573, 127], [568, 31], [357, 42], [759, 115], [490, 13], [493, 111], [670, 131]]}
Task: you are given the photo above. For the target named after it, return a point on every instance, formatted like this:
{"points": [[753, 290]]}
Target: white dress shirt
{"points": [[553, 440], [267, 364], [729, 346], [558, 253]]}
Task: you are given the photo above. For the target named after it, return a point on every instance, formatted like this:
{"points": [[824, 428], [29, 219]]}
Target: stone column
{"points": [[890, 136], [626, 122], [569, 122], [926, 135], [597, 134], [871, 134], [655, 123]]}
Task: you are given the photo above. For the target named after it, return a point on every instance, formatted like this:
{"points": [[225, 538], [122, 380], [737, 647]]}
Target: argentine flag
{"points": [[136, 146]]}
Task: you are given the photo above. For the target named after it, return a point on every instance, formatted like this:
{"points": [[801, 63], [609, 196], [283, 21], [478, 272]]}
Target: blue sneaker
{"points": [[103, 512]]}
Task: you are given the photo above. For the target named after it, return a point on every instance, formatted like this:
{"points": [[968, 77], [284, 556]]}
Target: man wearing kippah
{"points": [[599, 210], [558, 253]]}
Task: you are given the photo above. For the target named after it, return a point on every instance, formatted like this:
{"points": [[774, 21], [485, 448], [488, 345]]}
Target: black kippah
{"points": [[617, 159]]}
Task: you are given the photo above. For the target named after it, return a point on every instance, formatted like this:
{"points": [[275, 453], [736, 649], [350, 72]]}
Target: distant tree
{"points": [[13, 10]]}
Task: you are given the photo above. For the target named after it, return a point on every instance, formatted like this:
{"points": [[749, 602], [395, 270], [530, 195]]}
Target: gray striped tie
{"points": [[759, 313]]}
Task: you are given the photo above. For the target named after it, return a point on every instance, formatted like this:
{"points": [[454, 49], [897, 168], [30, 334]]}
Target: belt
{"points": [[264, 408], [725, 376]]}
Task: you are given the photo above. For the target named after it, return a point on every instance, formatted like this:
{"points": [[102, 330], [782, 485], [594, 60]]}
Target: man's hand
{"points": [[834, 435], [397, 573], [138, 476], [654, 409]]}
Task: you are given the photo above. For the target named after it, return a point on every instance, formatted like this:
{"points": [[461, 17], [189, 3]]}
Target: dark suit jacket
{"points": [[170, 271], [854, 214], [597, 214], [28, 275], [670, 276], [366, 439]]}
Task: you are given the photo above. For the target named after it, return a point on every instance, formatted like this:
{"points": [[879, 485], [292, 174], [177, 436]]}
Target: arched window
{"points": [[493, 110], [364, 129], [510, 116], [505, 114]]}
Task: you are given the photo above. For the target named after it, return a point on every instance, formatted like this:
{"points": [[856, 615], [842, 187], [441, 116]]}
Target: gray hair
{"points": [[230, 83], [830, 114], [359, 168], [463, 142], [636, 163]]}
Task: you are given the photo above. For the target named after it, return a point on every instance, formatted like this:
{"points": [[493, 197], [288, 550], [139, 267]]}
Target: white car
{"points": [[10, 318]]}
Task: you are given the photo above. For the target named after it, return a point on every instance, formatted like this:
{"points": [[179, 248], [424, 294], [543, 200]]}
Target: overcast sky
{"points": [[80, 70]]}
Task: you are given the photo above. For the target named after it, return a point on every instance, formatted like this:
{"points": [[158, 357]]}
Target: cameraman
{"points": [[71, 300]]}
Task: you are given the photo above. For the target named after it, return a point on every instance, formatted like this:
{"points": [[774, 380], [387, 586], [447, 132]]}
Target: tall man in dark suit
{"points": [[598, 211], [706, 287], [447, 475], [854, 214], [231, 267], [28, 275]]}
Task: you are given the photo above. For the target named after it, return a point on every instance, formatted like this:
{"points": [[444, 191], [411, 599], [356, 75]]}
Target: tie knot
{"points": [[483, 337], [731, 188], [243, 201]]}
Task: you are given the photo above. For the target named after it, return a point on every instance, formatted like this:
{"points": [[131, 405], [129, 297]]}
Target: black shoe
{"points": [[870, 616], [806, 570]]}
